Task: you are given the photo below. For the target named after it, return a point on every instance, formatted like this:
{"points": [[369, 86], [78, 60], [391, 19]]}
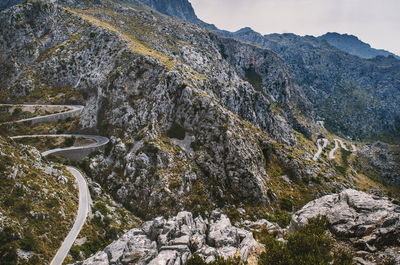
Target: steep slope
{"points": [[185, 125], [38, 203], [352, 45], [176, 8], [357, 97], [196, 121]]}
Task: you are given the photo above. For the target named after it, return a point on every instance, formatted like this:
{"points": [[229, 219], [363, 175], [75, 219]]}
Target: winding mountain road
{"points": [[338, 143], [320, 147], [332, 152], [84, 195], [342, 145], [74, 110], [100, 141], [83, 211]]}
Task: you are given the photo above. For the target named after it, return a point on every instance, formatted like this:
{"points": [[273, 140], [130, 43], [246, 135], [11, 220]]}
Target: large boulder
{"points": [[370, 222], [174, 240]]}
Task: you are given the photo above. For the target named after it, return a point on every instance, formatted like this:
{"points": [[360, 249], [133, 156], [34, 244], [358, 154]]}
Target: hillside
{"points": [[212, 141], [38, 203], [356, 97]]}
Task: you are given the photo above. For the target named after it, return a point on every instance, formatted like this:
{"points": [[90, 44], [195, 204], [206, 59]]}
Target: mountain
{"points": [[210, 138], [182, 9], [356, 97], [176, 8], [352, 45], [186, 109]]}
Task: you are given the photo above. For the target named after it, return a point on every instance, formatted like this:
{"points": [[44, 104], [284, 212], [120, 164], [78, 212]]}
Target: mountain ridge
{"points": [[219, 132], [353, 45]]}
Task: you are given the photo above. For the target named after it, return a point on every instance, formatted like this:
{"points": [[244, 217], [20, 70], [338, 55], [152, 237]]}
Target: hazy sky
{"points": [[376, 22]]}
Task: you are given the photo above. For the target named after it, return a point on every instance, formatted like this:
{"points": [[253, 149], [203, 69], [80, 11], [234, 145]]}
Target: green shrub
{"points": [[176, 131], [309, 245], [28, 243], [70, 141], [343, 257], [286, 205], [51, 203], [17, 111], [281, 218], [197, 260], [8, 253], [254, 79]]}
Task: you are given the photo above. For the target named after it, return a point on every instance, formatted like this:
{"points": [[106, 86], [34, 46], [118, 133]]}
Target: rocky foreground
{"points": [[369, 224], [174, 240]]}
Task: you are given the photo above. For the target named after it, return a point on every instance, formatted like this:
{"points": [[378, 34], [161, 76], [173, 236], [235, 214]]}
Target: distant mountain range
{"points": [[327, 71], [183, 9], [347, 43], [352, 45]]}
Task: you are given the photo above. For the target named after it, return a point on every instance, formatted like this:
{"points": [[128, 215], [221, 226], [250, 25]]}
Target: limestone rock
{"points": [[173, 241], [373, 222]]}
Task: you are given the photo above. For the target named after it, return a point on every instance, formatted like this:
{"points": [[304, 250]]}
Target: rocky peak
{"points": [[175, 8], [353, 45], [182, 9]]}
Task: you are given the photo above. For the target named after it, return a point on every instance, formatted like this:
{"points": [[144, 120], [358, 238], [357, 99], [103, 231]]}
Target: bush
{"points": [[309, 245], [70, 141], [197, 260], [17, 110], [8, 254], [286, 205], [343, 257], [176, 131], [28, 243]]}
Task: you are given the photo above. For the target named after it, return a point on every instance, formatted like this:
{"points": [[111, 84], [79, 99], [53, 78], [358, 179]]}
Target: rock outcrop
{"points": [[174, 240], [371, 223]]}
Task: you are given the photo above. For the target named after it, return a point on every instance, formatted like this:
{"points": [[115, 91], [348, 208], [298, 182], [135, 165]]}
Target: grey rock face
{"points": [[372, 222], [229, 125], [382, 159], [330, 77], [174, 240], [352, 45], [357, 97], [182, 9]]}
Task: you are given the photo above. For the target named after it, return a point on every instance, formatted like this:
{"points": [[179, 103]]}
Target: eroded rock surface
{"points": [[370, 222], [174, 240]]}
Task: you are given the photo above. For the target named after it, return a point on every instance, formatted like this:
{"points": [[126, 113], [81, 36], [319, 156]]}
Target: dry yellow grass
{"points": [[134, 44]]}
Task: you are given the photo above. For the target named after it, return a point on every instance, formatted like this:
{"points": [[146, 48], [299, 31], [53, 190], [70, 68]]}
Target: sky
{"points": [[376, 22]]}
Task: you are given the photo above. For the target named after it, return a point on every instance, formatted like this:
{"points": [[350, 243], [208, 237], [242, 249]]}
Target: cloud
{"points": [[373, 21]]}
